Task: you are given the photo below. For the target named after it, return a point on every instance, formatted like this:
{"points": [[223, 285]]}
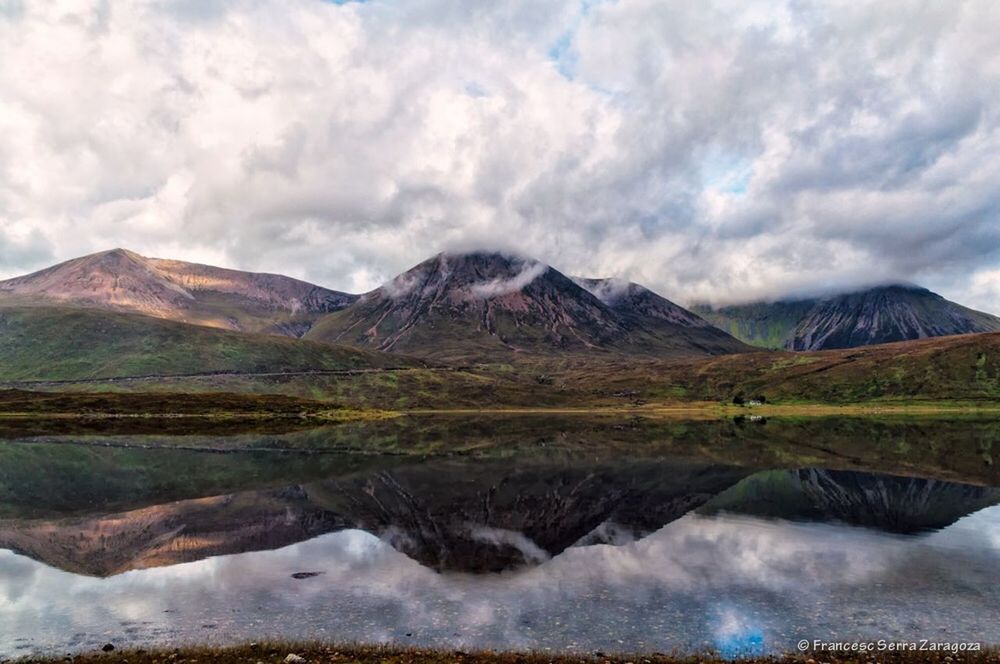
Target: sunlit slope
{"points": [[122, 280]]}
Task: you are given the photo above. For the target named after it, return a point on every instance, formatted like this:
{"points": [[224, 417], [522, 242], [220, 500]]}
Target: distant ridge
{"points": [[485, 305], [872, 316], [635, 301], [123, 280]]}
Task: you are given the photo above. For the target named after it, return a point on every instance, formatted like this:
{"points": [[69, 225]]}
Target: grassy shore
{"points": [[698, 410], [236, 407], [21, 404], [314, 653]]}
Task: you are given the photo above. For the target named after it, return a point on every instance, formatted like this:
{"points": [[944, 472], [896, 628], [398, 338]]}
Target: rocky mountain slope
{"points": [[122, 280], [483, 305], [876, 315]]}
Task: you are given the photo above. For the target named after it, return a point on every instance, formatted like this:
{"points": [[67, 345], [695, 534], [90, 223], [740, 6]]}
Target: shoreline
{"points": [[303, 653], [237, 407]]}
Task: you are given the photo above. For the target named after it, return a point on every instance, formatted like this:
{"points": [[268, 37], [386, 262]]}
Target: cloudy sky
{"points": [[708, 149]]}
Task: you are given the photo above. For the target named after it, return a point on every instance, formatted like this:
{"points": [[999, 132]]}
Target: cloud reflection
{"points": [[735, 584]]}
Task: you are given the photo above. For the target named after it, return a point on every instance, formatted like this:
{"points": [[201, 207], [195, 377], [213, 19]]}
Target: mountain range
{"points": [[877, 315], [99, 313], [480, 304]]}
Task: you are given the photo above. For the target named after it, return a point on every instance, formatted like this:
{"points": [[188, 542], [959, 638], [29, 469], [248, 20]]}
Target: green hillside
{"points": [[66, 343], [764, 324]]}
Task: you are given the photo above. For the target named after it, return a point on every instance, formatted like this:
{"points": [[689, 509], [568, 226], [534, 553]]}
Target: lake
{"points": [[570, 534]]}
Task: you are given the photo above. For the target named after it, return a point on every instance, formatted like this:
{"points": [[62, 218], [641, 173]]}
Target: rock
{"points": [[294, 659], [108, 647], [305, 575]]}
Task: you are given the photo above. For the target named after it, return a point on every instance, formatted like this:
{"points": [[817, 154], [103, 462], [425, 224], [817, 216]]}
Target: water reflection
{"points": [[699, 581], [484, 515], [648, 544]]}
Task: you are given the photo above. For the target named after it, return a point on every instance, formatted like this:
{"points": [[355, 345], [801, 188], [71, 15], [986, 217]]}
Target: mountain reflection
{"points": [[481, 516], [697, 582], [502, 534]]}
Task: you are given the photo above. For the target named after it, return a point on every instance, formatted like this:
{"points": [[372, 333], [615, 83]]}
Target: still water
{"points": [[637, 545]]}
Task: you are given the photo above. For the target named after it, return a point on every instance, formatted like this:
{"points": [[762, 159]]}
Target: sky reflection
{"points": [[737, 584]]}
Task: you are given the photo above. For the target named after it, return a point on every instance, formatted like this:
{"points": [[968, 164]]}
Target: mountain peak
{"points": [[456, 277], [477, 304], [117, 278], [119, 251], [120, 279], [879, 314]]}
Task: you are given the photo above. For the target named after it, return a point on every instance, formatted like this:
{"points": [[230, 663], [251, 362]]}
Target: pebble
{"points": [[294, 659], [108, 647]]}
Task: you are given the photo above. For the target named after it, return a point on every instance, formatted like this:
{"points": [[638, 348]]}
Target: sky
{"points": [[712, 150]]}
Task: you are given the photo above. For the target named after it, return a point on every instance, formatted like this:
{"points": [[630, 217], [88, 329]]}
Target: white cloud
{"points": [[529, 271], [984, 291], [705, 149]]}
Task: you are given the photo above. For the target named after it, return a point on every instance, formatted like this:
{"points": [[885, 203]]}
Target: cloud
{"points": [[23, 247], [706, 150], [984, 291], [500, 538], [529, 271], [605, 290]]}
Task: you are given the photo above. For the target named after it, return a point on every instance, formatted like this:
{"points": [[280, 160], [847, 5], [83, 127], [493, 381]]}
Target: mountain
{"points": [[873, 316], [764, 324], [122, 280], [70, 342], [642, 309], [639, 303], [484, 305]]}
